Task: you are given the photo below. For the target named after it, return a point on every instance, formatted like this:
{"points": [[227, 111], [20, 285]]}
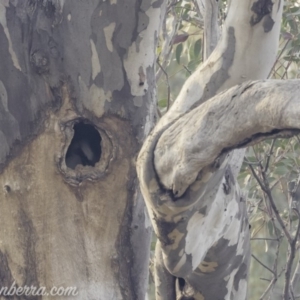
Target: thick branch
{"points": [[246, 51], [241, 116]]}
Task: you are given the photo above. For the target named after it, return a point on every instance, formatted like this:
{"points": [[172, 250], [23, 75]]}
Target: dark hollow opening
{"points": [[181, 282], [85, 147]]}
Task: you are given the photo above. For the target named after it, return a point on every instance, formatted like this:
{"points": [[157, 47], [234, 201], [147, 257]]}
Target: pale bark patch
{"points": [[7, 34], [96, 67], [108, 33], [142, 53]]}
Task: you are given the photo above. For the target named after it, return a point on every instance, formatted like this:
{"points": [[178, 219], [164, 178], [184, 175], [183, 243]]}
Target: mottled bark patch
{"points": [[165, 228], [29, 241], [268, 24], [40, 61], [6, 278], [241, 274], [229, 180], [261, 9], [184, 290], [157, 3], [221, 75]]}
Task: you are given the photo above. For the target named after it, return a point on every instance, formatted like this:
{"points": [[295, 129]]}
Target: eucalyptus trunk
{"points": [[77, 99]]}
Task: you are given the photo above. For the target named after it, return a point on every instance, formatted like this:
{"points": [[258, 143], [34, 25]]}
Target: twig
{"points": [[287, 286], [275, 183], [262, 264], [269, 280], [269, 156], [264, 239], [276, 260], [296, 276], [286, 69], [264, 186], [186, 68], [167, 37], [168, 84], [254, 163], [257, 179], [278, 57], [292, 294], [268, 288]]}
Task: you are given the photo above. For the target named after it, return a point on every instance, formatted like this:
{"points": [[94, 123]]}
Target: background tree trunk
{"points": [[71, 210]]}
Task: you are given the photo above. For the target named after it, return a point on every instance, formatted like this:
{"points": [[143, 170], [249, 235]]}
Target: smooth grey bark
{"points": [[64, 222]]}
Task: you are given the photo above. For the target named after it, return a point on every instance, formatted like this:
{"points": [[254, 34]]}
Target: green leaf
{"points": [[180, 38], [294, 26], [192, 65], [270, 228], [251, 159], [295, 11], [197, 48], [179, 49], [292, 58], [162, 103], [281, 170], [266, 246]]}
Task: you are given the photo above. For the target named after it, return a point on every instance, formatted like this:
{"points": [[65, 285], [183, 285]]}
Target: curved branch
{"points": [[246, 51], [235, 118]]}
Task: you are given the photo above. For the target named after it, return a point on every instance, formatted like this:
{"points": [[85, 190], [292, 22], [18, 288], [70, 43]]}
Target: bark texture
{"points": [[189, 180], [69, 218]]}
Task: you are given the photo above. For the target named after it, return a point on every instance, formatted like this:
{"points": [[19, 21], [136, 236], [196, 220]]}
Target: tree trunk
{"points": [[188, 172], [77, 90]]}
